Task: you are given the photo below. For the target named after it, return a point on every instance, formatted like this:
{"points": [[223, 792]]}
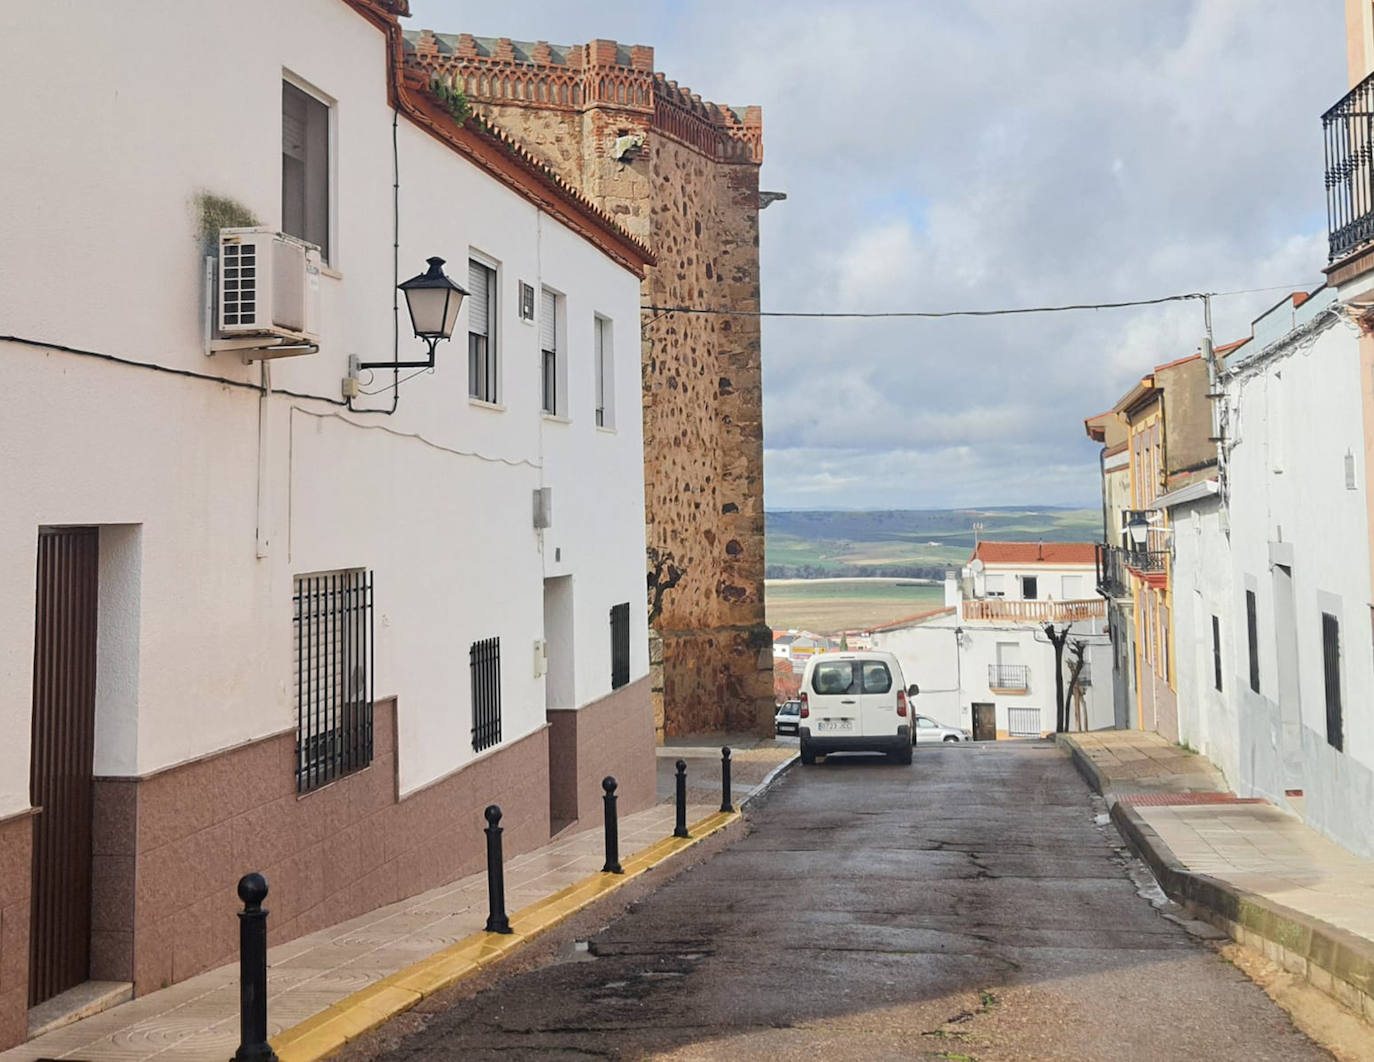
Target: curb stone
{"points": [[1329, 958]]}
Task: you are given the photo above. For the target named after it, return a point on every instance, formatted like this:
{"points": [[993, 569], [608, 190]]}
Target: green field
{"points": [[828, 606], [907, 543]]}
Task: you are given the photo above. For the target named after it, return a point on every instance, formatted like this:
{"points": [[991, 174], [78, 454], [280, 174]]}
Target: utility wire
{"points": [[999, 312]]}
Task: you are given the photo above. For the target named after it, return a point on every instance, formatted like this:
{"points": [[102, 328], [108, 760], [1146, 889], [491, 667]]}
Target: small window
{"points": [[605, 374], [1216, 653], [332, 653], [548, 347], [620, 645], [1029, 587], [832, 677], [923, 723], [305, 167], [484, 666], [481, 304], [877, 678], [1331, 670], [526, 301], [1252, 637]]}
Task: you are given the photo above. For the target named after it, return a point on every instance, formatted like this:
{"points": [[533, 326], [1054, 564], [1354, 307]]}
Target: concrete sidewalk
{"points": [[313, 978], [1250, 868]]}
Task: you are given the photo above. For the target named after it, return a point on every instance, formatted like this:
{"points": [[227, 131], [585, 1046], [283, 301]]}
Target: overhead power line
{"points": [[998, 312]]}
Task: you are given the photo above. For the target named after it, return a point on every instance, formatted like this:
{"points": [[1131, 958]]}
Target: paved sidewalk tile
{"points": [[197, 1020]]}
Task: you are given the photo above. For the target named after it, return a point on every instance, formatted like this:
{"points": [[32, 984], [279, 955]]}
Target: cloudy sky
{"points": [[970, 154]]}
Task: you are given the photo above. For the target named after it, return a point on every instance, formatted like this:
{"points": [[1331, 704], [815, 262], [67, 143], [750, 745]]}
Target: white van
{"points": [[855, 702]]}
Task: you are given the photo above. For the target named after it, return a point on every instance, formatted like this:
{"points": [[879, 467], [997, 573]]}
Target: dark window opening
{"points": [[1331, 668], [333, 658], [1216, 652], [1029, 587], [305, 167], [620, 645], [1252, 636], [484, 663]]}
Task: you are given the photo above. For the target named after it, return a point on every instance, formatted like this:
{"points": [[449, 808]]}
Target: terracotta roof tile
{"points": [[1036, 553]]}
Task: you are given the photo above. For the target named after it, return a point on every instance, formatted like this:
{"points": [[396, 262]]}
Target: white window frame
{"points": [[329, 254], [603, 371], [490, 395], [559, 352]]}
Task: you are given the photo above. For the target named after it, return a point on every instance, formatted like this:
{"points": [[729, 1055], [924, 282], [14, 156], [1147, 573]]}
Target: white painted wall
{"points": [[436, 500], [1295, 419]]}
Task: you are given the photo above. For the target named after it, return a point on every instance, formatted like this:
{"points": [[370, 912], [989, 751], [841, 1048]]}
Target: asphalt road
{"points": [[969, 907]]}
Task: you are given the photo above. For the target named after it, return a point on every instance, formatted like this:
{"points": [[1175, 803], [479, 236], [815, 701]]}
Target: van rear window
{"points": [[833, 676], [877, 678]]}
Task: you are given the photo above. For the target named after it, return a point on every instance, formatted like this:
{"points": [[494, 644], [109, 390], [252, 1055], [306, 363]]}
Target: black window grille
{"points": [[1252, 636], [334, 666], [1331, 661], [620, 645], [1216, 652], [484, 661]]}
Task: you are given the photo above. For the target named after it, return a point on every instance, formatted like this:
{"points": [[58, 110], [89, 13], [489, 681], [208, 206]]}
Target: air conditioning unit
{"points": [[269, 285]]}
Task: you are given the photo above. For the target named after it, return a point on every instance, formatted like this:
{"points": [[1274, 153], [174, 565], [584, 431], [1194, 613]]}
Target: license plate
{"points": [[835, 724]]}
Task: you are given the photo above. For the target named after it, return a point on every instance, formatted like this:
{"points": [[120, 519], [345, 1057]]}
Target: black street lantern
{"points": [[433, 301]]}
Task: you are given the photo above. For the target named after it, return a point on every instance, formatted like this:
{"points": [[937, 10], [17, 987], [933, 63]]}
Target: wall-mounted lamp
{"points": [[433, 300]]}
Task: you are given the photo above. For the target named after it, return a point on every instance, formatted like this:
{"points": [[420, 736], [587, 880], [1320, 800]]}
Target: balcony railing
{"points": [[1111, 571], [1009, 677], [996, 608], [1348, 129], [1145, 560]]}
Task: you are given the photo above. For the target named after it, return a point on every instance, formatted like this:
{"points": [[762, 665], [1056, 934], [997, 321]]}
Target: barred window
{"points": [[484, 664], [332, 650], [620, 645], [1252, 639]]}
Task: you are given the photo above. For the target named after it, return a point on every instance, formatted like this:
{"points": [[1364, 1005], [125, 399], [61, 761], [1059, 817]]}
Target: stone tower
{"points": [[680, 174]]}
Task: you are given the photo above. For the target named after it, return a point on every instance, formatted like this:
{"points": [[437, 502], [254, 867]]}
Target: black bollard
{"points": [[497, 922], [253, 1045], [680, 830], [725, 804], [612, 830]]}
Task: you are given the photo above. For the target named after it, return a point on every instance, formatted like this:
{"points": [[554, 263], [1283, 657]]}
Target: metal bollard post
{"points": [[612, 830], [253, 1045], [680, 830], [725, 804], [497, 922]]}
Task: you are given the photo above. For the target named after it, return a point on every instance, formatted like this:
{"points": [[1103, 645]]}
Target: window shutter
{"points": [[548, 320], [479, 298]]}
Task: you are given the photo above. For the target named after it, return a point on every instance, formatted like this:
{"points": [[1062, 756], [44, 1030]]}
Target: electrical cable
{"points": [[153, 366], [998, 312]]}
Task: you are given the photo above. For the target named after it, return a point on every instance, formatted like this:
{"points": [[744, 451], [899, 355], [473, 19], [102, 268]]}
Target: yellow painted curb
{"points": [[368, 1008]]}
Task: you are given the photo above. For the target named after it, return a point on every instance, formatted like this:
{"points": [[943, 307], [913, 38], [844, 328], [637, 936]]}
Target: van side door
{"points": [[878, 699]]}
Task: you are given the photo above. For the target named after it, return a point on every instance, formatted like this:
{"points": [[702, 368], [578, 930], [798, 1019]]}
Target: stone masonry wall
{"points": [[691, 193]]}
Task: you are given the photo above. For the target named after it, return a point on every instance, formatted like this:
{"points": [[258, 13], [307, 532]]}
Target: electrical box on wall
{"points": [[543, 507], [541, 658]]}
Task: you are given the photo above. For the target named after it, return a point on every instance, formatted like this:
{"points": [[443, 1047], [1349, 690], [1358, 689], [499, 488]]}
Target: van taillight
{"points": [[901, 702], [805, 708]]}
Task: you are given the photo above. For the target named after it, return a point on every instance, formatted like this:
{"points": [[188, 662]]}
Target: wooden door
{"points": [[60, 772], [984, 722]]}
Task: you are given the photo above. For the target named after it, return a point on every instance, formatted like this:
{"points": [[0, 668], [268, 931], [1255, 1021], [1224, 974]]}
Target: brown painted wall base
{"points": [[169, 849], [16, 856], [614, 736]]}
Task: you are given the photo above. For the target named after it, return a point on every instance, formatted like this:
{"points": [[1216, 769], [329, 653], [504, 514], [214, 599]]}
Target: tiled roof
{"points": [[907, 621], [1036, 553]]}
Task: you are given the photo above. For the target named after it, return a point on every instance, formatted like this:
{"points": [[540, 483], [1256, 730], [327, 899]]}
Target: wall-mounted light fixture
{"points": [[433, 301]]}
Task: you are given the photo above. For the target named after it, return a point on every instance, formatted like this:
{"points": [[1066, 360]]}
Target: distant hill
{"points": [[907, 543]]}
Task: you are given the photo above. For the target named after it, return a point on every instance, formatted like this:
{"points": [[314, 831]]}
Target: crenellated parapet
{"points": [[601, 74]]}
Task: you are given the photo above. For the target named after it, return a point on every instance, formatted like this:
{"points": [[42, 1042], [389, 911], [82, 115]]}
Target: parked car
{"points": [[926, 731], [855, 702], [788, 718]]}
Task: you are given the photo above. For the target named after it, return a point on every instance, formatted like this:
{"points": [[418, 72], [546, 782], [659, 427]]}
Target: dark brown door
{"points": [[62, 765], [984, 722]]}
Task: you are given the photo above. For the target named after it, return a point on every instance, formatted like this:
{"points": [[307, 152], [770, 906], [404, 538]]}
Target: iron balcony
{"points": [[1348, 129]]}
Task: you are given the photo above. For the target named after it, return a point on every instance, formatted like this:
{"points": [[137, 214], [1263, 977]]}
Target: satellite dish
{"points": [[975, 565]]}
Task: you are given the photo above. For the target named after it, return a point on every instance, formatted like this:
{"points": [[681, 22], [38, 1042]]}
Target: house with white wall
{"points": [[273, 601], [1272, 576], [985, 662]]}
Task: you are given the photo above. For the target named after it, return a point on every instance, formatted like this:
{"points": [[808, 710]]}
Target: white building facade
{"points": [[985, 663], [279, 628], [1281, 674]]}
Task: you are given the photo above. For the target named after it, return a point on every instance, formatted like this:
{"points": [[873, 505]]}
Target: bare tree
{"points": [[1077, 662], [664, 574], [1057, 637]]}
